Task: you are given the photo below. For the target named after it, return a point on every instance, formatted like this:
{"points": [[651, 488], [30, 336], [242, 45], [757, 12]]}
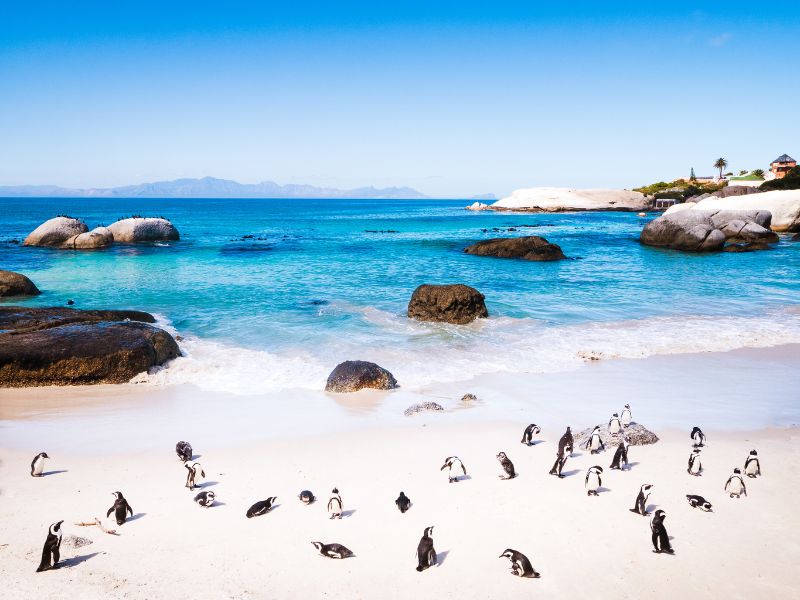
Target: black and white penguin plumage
{"points": [[335, 504], [194, 470], [453, 464], [695, 466], [306, 497], [120, 508], [403, 503], [660, 538], [205, 499], [752, 468], [520, 565], [508, 466], [184, 450], [620, 455], [51, 549], [37, 465], [625, 416], [530, 431], [698, 437], [698, 502], [261, 507], [640, 506], [566, 444], [333, 550], [426, 555], [593, 480], [561, 460], [735, 485], [594, 443], [614, 424]]}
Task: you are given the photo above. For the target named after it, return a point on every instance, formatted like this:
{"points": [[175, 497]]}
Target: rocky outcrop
{"points": [[16, 284], [354, 375], [529, 247], [422, 407], [143, 229], [99, 237], [784, 206], [636, 434], [54, 232], [454, 303], [550, 199], [64, 346], [697, 230], [478, 206]]}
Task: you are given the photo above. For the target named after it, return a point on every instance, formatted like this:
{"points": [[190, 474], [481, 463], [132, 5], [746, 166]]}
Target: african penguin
{"points": [[453, 464], [593, 480], [183, 450], [335, 504], [735, 485], [660, 538], [508, 466], [52, 547], [306, 497], [614, 424], [261, 507], [698, 502], [625, 416], [695, 466], [194, 469], [620, 455], [566, 444], [332, 550], [520, 565], [640, 506], [527, 435], [698, 437], [402, 502], [594, 442], [205, 499], [561, 460], [37, 466], [752, 468], [120, 508], [426, 555]]}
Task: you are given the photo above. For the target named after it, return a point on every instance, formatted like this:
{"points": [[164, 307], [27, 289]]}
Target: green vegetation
{"points": [[790, 182], [680, 189], [758, 173], [751, 177]]}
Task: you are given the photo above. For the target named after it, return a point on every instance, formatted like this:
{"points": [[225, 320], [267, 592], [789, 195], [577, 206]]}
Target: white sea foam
{"points": [[421, 353]]}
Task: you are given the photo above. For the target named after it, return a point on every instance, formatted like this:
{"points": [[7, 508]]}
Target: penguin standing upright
{"points": [[527, 435], [696, 501], [752, 468], [508, 466], [695, 464], [566, 444], [453, 464], [625, 416], [698, 437], [37, 465], [403, 503], [593, 480], [594, 443], [621, 455], [426, 555], [660, 538], [640, 506], [520, 565], [335, 504], [614, 424], [194, 469], [120, 508], [183, 450], [261, 507], [51, 549], [735, 485], [558, 466]]}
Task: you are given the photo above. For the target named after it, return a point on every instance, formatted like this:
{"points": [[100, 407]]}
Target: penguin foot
{"points": [[560, 476]]}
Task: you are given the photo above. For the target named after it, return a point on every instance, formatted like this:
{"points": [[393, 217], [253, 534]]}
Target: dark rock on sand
{"points": [[354, 375], [455, 303], [16, 284], [64, 346], [636, 434], [699, 230], [531, 247], [422, 407]]}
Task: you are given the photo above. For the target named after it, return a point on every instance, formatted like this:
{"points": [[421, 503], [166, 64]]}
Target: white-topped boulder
{"points": [[55, 232], [783, 204], [553, 199], [143, 229], [99, 237]]}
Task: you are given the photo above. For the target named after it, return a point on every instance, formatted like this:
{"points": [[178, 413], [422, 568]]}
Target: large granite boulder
{"points": [[55, 232], [143, 229], [550, 199], [354, 375], [636, 434], [698, 230], [530, 247], [64, 346], [783, 205], [99, 237], [16, 284], [454, 303]]}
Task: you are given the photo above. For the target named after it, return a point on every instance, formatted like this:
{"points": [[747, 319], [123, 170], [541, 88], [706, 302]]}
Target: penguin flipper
{"points": [[463, 468], [110, 510], [130, 510], [45, 564]]}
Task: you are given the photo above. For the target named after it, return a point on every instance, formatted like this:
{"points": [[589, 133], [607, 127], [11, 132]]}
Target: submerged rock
{"points": [[422, 407], [65, 346], [55, 232], [696, 230], [354, 375], [143, 229], [16, 284], [636, 434], [530, 247], [455, 303]]}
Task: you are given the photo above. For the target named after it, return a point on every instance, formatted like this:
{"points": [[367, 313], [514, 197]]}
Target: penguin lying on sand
{"points": [[640, 506], [735, 485], [306, 497], [426, 555], [527, 435], [120, 508], [520, 565], [508, 466], [453, 464], [261, 507], [184, 450], [37, 465], [205, 499], [698, 502], [332, 550], [660, 538], [52, 547], [402, 502], [752, 468]]}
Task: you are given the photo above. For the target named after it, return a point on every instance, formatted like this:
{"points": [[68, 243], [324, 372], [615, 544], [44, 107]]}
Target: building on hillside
{"points": [[782, 165]]}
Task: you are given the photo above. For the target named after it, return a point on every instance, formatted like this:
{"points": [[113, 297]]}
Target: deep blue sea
{"points": [[322, 281]]}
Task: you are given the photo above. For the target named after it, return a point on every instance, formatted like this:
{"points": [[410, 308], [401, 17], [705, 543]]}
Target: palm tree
{"points": [[720, 164]]}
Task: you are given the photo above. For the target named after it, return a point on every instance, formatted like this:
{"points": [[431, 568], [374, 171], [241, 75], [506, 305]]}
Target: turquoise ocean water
{"points": [[322, 281]]}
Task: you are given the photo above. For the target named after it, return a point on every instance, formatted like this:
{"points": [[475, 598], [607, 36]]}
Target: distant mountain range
{"points": [[210, 187]]}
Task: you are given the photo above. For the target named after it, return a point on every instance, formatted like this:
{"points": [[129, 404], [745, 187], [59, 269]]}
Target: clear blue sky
{"points": [[452, 98]]}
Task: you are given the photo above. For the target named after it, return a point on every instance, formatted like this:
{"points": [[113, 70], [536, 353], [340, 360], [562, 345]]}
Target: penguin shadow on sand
{"points": [[348, 513], [74, 561], [58, 472], [136, 517], [603, 489], [205, 484], [441, 557], [570, 473]]}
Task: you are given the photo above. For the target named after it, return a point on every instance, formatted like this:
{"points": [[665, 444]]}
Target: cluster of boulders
{"points": [[65, 346], [634, 433], [70, 233], [16, 284], [529, 247]]}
